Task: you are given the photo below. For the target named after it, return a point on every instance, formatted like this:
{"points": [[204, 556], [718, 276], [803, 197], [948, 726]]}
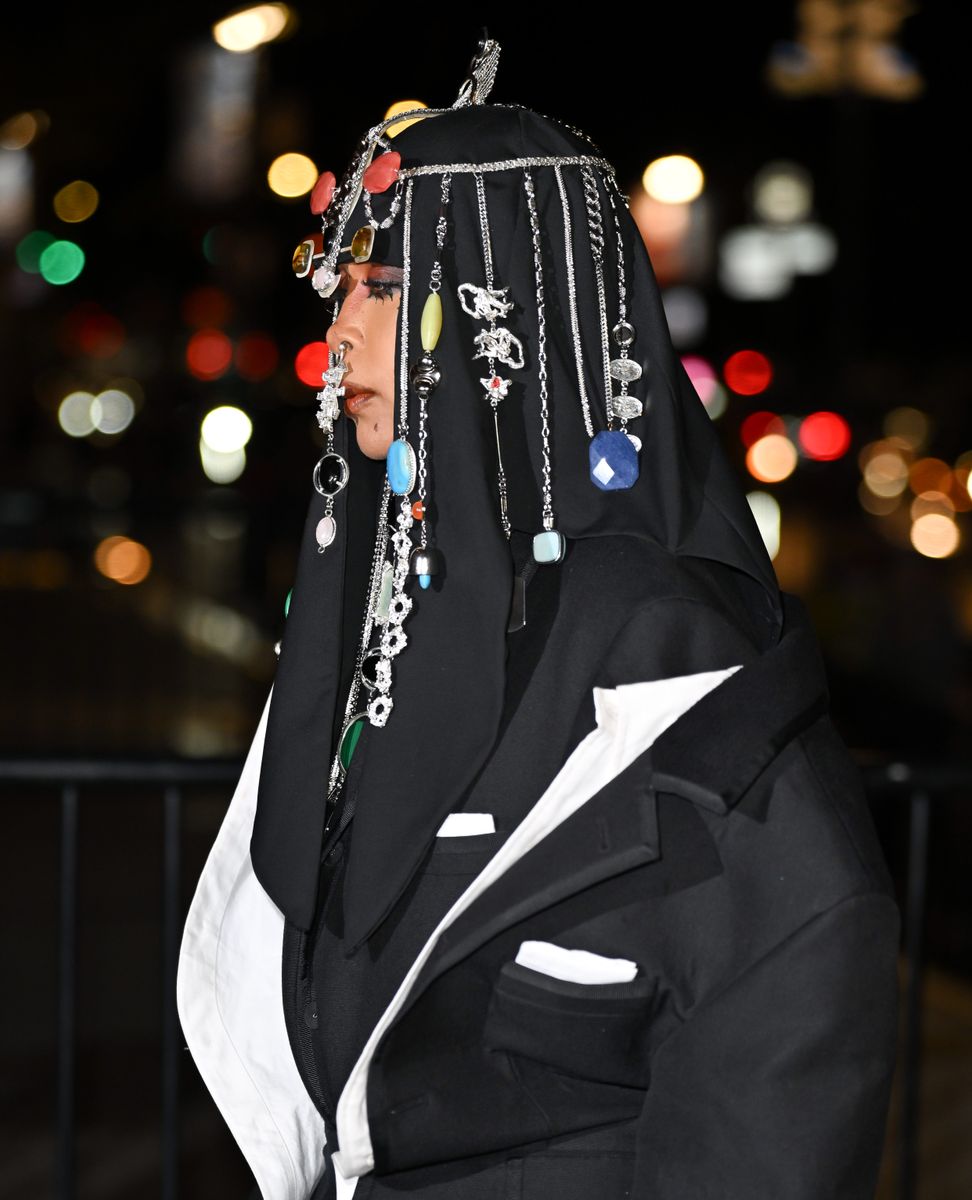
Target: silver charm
{"points": [[496, 387], [330, 395], [487, 303], [499, 344]]}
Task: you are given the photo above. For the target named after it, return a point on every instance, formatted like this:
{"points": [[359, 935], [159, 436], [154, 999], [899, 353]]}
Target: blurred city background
{"points": [[794, 170]]}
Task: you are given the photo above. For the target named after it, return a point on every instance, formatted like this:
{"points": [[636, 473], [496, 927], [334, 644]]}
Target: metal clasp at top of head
{"points": [[482, 73]]}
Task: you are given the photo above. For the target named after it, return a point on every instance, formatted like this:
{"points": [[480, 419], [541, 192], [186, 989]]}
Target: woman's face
{"points": [[371, 295]]}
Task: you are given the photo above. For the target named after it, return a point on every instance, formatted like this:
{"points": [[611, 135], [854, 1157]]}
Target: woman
{"points": [[547, 874]]}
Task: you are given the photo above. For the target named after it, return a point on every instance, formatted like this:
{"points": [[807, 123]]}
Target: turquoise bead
{"points": [[287, 602], [548, 547], [400, 465], [425, 580]]}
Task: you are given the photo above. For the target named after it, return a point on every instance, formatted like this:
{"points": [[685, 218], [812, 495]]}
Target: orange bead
{"points": [[418, 510]]}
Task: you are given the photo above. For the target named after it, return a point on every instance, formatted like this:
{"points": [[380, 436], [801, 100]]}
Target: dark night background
{"points": [[180, 663]]}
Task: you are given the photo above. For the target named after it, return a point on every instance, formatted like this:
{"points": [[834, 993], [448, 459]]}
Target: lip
{"points": [[354, 399]]}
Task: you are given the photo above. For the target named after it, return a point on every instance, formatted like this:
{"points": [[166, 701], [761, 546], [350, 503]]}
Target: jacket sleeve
{"points": [[778, 1086]]}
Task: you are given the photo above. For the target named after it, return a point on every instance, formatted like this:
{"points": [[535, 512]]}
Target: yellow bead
{"points": [[431, 321]]}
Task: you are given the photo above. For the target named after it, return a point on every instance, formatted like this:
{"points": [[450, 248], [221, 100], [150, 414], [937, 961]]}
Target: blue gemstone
{"points": [[614, 460], [400, 466], [425, 580], [548, 547]]}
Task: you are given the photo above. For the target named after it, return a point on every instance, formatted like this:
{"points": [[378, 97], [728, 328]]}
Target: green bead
{"points": [[350, 740], [431, 321], [287, 602]]}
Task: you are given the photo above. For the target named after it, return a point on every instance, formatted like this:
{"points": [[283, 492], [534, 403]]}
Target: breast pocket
{"points": [[598, 1031]]}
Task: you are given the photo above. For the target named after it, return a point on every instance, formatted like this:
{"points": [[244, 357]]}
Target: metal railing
{"points": [[172, 776]]}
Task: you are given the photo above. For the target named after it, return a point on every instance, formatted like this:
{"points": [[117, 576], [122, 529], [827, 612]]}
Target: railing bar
{"points": [[67, 996], [914, 934], [172, 806]]}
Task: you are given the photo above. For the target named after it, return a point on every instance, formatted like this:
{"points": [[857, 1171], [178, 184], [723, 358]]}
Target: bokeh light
{"points": [[61, 262], [935, 535], [74, 414], [30, 248], [206, 308], [824, 436], [220, 466], [766, 510], [226, 429], [311, 363], [782, 192], [88, 328], [747, 372], [758, 424], [911, 425], [18, 131], [674, 179], [292, 175], [886, 471], [772, 458], [76, 201], [253, 26], [122, 559], [209, 354], [929, 475], [112, 411], [399, 106], [256, 357]]}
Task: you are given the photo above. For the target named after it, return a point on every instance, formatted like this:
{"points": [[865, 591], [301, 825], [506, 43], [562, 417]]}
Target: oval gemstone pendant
{"points": [[431, 321], [326, 529], [614, 460], [400, 466], [349, 738]]}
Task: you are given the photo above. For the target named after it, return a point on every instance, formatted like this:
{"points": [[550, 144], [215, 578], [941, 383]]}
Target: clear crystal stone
{"points": [[625, 369]]}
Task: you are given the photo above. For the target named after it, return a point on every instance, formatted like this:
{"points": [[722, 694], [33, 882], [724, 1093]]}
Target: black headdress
{"points": [[545, 285]]}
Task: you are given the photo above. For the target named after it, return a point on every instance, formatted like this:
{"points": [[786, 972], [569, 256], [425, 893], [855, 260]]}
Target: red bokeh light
{"points": [[824, 435], [206, 308], [209, 353], [759, 424], [93, 331], [256, 357], [311, 363], [747, 372]]}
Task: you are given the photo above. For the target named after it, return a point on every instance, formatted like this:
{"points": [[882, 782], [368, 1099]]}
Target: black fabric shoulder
{"points": [[674, 635]]}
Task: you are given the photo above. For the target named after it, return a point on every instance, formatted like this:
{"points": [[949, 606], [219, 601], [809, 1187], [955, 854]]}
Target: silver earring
{"points": [[332, 471]]}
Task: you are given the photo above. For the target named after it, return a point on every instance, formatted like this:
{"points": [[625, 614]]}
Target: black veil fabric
{"points": [[448, 682]]}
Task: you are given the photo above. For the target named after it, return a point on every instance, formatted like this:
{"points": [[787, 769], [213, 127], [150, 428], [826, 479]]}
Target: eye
{"points": [[382, 289]]}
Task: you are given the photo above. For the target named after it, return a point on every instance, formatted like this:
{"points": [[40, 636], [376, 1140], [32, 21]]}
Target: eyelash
{"points": [[380, 289]]}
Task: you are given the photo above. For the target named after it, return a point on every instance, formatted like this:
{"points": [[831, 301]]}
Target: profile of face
{"points": [[371, 295]]}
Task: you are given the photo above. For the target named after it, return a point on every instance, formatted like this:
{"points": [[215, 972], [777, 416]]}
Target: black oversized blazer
{"points": [[709, 826]]}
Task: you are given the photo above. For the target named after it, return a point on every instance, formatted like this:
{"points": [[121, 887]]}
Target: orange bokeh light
{"points": [[122, 559], [771, 458]]}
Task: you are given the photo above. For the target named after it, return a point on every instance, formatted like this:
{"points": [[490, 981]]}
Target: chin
{"points": [[373, 445]]}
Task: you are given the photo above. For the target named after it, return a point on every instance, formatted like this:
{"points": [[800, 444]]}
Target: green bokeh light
{"points": [[61, 262], [30, 248]]}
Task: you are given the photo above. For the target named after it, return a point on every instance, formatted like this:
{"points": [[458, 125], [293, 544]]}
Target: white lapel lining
{"points": [[629, 718], [229, 993]]}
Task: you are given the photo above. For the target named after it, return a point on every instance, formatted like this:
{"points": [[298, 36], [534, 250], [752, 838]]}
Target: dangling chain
{"points": [[572, 302], [548, 515], [350, 709], [496, 388], [597, 250]]}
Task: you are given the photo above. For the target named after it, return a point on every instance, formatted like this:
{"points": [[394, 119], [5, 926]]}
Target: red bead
{"points": [[382, 172], [418, 510], [322, 193]]}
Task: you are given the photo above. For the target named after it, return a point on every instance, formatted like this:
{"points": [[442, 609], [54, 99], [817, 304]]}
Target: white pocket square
{"points": [[576, 966], [464, 824]]}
